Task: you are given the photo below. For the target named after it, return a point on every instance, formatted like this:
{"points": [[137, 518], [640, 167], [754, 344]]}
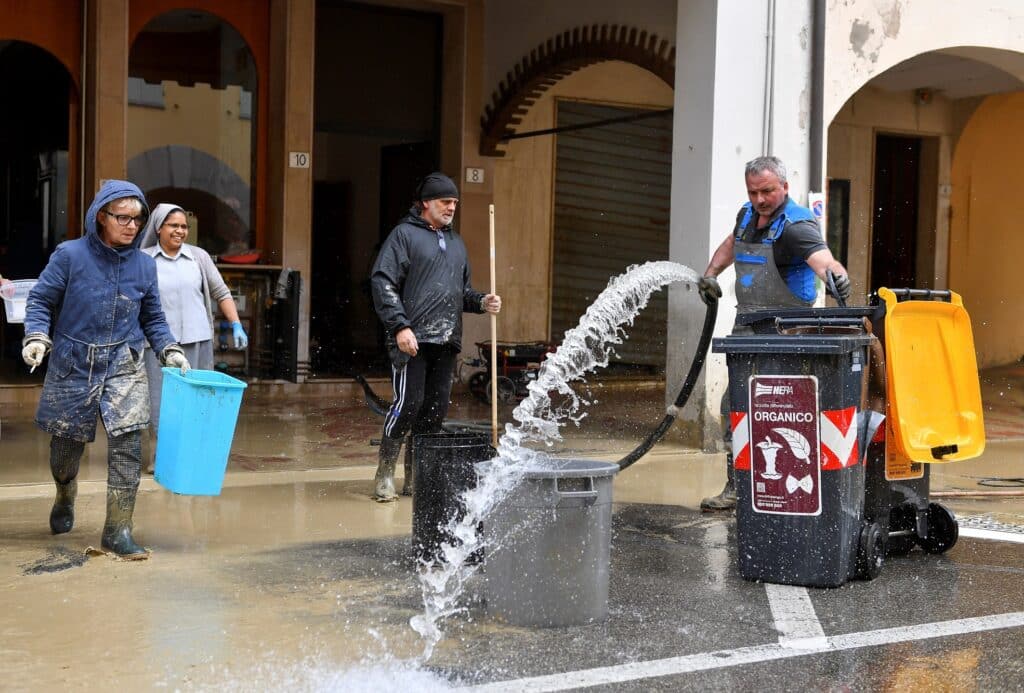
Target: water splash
{"points": [[550, 405], [318, 674]]}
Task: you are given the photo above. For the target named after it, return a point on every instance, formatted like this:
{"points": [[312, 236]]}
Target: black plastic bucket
{"points": [[444, 470]]}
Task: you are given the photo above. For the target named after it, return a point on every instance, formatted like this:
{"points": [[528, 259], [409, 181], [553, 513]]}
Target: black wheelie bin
{"points": [[920, 404], [797, 398]]}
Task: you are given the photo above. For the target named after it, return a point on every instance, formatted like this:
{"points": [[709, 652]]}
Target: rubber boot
{"points": [[117, 529], [407, 483], [384, 479], [726, 500], [62, 515], [65, 455]]}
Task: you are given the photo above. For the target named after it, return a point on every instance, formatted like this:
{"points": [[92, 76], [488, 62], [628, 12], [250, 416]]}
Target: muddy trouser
{"points": [[422, 391], [199, 355], [124, 459], [725, 408]]}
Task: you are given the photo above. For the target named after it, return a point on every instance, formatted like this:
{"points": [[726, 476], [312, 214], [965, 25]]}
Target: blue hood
{"points": [[110, 191]]}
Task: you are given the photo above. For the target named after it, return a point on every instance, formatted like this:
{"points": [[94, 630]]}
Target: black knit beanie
{"points": [[435, 186]]}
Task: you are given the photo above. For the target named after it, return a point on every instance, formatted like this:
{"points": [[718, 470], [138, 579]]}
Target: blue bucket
{"points": [[198, 412]]}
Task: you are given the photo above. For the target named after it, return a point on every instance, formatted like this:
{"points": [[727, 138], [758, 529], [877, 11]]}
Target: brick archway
{"points": [[561, 56]]}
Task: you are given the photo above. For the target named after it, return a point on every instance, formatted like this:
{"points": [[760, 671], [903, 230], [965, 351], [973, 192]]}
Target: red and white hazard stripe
{"points": [[837, 430], [740, 439]]}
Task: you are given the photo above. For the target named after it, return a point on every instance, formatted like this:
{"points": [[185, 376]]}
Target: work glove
{"points": [[33, 352], [241, 338], [709, 290], [842, 283], [174, 357]]}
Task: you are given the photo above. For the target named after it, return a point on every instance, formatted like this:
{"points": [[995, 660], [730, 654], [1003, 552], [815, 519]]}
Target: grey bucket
{"points": [[549, 546]]}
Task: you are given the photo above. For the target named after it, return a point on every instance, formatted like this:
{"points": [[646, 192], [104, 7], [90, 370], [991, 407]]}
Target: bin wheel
{"points": [[943, 530], [871, 551], [902, 518], [506, 391], [900, 546], [480, 386]]}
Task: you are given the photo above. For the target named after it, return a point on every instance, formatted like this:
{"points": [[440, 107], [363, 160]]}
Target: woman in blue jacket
{"points": [[94, 307]]}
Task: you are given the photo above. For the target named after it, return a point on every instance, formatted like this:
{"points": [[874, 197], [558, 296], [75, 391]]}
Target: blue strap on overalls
{"points": [[800, 278]]}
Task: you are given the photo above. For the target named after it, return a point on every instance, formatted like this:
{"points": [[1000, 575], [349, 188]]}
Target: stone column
{"points": [[289, 235], [106, 94], [728, 110]]}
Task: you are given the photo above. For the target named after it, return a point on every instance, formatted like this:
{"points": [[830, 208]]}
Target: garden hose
{"points": [[710, 316]]}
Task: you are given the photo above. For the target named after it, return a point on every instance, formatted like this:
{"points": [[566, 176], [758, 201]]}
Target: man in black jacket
{"points": [[421, 288]]}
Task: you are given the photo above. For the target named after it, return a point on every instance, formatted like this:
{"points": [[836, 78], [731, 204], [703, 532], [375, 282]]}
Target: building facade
{"points": [[293, 130]]}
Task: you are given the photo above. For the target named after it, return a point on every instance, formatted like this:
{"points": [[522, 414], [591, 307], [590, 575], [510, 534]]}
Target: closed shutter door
{"points": [[612, 195]]}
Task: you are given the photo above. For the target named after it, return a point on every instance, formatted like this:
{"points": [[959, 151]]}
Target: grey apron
{"points": [[759, 284]]}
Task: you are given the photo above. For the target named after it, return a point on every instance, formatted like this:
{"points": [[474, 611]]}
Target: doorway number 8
{"points": [[474, 175]]}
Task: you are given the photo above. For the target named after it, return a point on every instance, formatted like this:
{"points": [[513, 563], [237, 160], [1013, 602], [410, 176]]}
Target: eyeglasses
{"points": [[177, 227], [440, 242], [125, 219]]}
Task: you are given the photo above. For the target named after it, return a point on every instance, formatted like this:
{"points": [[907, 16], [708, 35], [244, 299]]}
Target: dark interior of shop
{"points": [[33, 174], [377, 121]]}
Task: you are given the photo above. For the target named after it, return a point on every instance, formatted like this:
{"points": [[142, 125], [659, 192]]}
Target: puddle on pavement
{"points": [[264, 584], [952, 671]]}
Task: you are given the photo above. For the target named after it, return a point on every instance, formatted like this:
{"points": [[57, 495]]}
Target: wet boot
{"points": [[726, 500], [407, 483], [117, 530], [62, 515], [65, 455], [384, 479]]}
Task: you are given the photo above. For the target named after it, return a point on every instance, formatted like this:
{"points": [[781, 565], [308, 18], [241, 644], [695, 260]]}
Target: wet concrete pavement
{"points": [[293, 578]]}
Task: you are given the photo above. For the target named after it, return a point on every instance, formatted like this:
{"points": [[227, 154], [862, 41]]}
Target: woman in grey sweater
{"points": [[189, 284]]}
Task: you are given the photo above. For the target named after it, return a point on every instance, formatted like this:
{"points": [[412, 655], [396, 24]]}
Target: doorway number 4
{"points": [[298, 159], [474, 175]]}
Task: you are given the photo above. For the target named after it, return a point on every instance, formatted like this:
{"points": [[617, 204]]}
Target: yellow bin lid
{"points": [[932, 377]]}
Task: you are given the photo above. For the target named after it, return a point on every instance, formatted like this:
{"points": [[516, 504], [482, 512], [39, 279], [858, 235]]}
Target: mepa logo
{"points": [[761, 390]]}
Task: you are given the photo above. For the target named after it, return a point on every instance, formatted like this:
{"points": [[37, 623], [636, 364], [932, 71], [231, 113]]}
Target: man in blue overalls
{"points": [[778, 250]]}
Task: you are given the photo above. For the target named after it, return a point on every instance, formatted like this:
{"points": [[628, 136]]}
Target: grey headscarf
{"points": [[156, 220]]}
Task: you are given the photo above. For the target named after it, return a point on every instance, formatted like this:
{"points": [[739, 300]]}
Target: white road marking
{"points": [[991, 534], [721, 659], [794, 617]]}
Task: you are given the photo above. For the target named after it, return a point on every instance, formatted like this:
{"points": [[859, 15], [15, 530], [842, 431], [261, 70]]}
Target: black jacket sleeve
{"points": [[472, 300], [386, 281]]}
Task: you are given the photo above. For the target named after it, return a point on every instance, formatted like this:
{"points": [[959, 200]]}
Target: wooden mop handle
{"points": [[494, 344]]}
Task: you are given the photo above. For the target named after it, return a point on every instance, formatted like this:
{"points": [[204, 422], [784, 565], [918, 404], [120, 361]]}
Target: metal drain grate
{"points": [[989, 523]]}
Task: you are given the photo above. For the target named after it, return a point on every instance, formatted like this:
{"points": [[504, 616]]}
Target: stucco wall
{"points": [[524, 196], [985, 241], [864, 38]]}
